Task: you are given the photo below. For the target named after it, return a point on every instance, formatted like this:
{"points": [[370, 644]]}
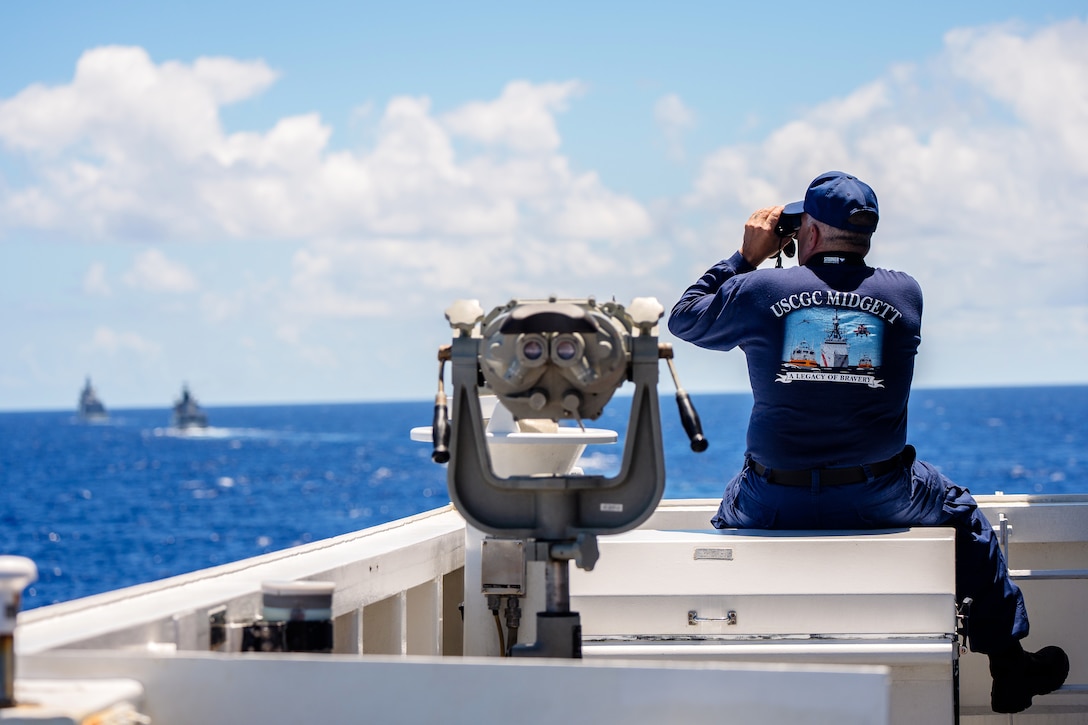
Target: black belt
{"points": [[834, 476]]}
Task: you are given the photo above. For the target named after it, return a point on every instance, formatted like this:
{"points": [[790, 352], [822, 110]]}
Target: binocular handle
{"points": [[440, 430], [692, 425]]}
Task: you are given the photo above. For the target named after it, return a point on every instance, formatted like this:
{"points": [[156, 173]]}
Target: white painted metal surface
{"points": [[781, 583], [306, 689], [396, 608], [839, 597]]}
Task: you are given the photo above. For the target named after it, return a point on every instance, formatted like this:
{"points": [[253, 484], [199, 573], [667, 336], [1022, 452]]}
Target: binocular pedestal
{"points": [[558, 630]]}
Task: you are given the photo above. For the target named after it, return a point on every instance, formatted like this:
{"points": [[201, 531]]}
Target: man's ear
{"points": [[817, 238]]}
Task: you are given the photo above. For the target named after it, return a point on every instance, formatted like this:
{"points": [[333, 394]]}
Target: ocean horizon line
{"points": [[667, 390]]}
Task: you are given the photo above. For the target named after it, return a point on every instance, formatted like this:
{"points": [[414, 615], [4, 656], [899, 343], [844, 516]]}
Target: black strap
{"points": [[834, 476]]}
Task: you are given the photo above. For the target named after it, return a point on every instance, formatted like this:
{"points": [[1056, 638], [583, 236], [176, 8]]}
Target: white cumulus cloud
{"points": [[134, 149], [119, 99], [153, 271], [523, 117], [674, 119], [112, 342], [131, 149], [94, 281]]}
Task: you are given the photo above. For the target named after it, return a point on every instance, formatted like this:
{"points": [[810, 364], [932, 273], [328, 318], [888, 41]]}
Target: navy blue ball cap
{"points": [[839, 200]]}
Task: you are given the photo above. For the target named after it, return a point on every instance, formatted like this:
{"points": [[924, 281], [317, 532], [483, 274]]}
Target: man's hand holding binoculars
{"points": [[766, 233]]}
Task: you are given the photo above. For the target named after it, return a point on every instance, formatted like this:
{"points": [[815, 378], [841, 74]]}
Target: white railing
{"points": [[398, 588]]}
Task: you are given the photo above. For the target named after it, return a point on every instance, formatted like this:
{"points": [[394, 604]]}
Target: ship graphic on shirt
{"points": [[835, 351], [826, 344], [803, 357]]}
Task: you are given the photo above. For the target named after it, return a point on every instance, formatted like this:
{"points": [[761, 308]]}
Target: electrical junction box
{"points": [[502, 567]]}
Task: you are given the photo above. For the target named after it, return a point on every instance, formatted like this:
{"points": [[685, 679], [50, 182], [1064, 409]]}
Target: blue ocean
{"points": [[107, 505]]}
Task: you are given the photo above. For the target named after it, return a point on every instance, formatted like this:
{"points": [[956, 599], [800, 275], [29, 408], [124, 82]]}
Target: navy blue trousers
{"points": [[918, 496]]}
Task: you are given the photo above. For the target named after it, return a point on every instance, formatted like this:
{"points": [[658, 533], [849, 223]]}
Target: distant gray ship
{"points": [[90, 407], [187, 412]]}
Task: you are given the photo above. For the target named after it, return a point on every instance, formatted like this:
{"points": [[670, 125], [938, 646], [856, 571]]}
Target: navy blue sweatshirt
{"points": [[830, 349]]}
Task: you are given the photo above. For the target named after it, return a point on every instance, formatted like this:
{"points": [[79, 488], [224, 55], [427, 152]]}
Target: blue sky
{"points": [[275, 202]]}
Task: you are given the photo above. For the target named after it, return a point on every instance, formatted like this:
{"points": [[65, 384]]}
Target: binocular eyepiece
{"points": [[788, 225]]}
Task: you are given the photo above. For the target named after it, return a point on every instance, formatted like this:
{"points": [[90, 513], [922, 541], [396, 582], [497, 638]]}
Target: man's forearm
{"points": [[695, 315]]}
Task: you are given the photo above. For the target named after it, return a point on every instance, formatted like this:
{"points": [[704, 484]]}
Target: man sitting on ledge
{"points": [[830, 346]]}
